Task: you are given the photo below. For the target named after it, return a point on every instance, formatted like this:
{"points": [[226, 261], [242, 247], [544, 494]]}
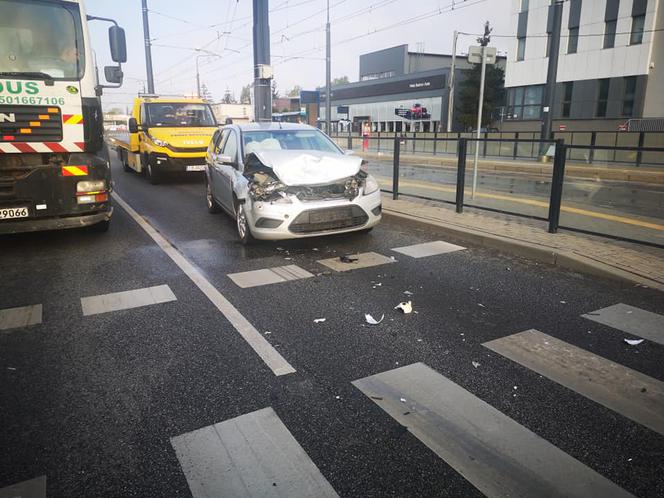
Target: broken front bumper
{"points": [[275, 221]]}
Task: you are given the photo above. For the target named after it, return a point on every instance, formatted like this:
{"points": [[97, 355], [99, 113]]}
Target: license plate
{"points": [[196, 167], [14, 212], [329, 215]]}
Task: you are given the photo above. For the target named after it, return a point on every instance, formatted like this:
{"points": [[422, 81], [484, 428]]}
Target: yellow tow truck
{"points": [[166, 135]]}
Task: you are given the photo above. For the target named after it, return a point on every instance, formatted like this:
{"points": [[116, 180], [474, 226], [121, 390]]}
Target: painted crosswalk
{"points": [[33, 488], [621, 389], [356, 261], [493, 452], [251, 455], [117, 301], [428, 249], [266, 276], [632, 320], [23, 316]]}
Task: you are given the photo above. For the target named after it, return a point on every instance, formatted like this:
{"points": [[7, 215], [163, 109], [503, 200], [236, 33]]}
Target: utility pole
{"points": [[450, 93], [328, 69], [483, 41], [262, 68], [556, 11], [148, 47]]}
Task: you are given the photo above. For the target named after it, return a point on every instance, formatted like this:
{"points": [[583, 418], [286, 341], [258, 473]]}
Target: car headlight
{"points": [[370, 185], [156, 141]]}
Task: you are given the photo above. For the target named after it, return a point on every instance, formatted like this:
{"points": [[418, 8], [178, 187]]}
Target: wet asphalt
{"points": [[92, 401]]}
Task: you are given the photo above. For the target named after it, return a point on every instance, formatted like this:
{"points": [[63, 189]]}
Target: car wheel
{"points": [[101, 227], [212, 205], [152, 175], [243, 230]]}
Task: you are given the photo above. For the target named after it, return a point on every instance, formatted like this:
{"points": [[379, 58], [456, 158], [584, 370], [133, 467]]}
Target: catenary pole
{"points": [[148, 47], [450, 93]]}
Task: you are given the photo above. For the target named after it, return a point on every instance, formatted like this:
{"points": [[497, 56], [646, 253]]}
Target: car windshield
{"points": [[288, 140], [39, 39], [176, 115]]}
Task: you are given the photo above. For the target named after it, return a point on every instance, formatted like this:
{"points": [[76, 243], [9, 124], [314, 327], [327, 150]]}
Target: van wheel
{"points": [[243, 230], [212, 205], [152, 175]]}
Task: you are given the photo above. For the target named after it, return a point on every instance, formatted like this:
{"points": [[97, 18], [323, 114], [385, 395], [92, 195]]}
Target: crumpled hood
{"points": [[309, 167]]}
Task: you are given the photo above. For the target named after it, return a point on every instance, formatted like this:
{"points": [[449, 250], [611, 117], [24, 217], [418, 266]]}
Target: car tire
{"points": [[101, 227], [242, 225], [366, 230], [212, 205], [152, 175]]}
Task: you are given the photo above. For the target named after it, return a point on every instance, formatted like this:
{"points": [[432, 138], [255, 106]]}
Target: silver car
{"points": [[285, 181]]}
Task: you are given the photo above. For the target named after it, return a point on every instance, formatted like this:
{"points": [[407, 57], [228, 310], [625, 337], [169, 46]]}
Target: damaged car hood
{"points": [[298, 167]]}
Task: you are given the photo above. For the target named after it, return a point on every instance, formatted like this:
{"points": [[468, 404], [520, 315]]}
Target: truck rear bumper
{"points": [[59, 223]]}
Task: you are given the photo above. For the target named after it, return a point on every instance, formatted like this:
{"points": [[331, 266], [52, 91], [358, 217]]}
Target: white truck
{"points": [[54, 170]]}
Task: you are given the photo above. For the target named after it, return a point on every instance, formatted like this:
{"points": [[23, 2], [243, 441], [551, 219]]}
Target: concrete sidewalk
{"points": [[625, 262]]}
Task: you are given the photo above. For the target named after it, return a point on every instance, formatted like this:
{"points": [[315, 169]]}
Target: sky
{"points": [[297, 33]]}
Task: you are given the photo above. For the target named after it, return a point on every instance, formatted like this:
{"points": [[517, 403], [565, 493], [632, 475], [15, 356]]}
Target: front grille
{"points": [[187, 149], [323, 220], [30, 123]]}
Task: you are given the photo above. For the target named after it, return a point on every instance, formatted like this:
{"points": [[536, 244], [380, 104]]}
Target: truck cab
{"points": [[54, 172], [166, 135]]}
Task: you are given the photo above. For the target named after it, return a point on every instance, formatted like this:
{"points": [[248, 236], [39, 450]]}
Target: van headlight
{"points": [[370, 185], [156, 141]]}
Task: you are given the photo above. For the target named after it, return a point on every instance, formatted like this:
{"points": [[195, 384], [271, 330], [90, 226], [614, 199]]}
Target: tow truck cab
{"points": [[167, 135], [54, 172]]}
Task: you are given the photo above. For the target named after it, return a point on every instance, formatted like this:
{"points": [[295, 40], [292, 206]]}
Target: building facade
{"points": [[610, 67], [397, 91]]}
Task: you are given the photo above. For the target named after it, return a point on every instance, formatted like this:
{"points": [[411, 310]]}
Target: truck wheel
{"points": [[101, 227], [212, 205], [152, 175], [125, 163], [243, 230]]}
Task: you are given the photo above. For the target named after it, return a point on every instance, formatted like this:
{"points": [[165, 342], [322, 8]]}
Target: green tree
{"points": [[295, 91], [469, 94], [340, 81], [245, 94]]}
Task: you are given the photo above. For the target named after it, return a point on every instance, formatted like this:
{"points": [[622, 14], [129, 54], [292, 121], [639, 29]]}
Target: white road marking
{"points": [[267, 276], [364, 260], [428, 249], [632, 320], [34, 488], [13, 318], [125, 300], [251, 455], [621, 389], [493, 452], [255, 339]]}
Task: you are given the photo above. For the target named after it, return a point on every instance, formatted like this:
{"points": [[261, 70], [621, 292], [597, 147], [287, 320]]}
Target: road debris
{"points": [[476, 364], [371, 320], [379, 398], [563, 302], [408, 293], [406, 307], [633, 342], [347, 259], [319, 320], [267, 332], [403, 400], [481, 305], [11, 368]]}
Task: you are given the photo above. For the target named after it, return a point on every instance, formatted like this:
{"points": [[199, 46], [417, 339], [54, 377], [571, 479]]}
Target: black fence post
{"points": [[639, 153], [461, 173], [486, 136], [435, 141], [557, 181], [593, 141], [350, 138], [395, 168], [414, 136], [378, 141], [515, 152]]}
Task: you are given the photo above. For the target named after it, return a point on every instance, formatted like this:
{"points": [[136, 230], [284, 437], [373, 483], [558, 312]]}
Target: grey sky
{"points": [[297, 29]]}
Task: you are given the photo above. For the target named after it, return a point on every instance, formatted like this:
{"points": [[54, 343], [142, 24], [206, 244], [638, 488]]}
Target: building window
{"points": [[609, 34], [524, 5], [602, 98], [628, 97], [525, 102], [638, 22], [521, 48], [573, 40], [567, 98]]}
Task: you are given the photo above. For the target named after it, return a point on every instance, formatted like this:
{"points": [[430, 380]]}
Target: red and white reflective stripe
{"points": [[40, 147]]}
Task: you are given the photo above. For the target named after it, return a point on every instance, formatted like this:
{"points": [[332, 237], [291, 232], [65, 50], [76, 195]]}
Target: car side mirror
{"points": [[113, 74], [118, 43], [132, 125], [349, 152], [228, 160]]}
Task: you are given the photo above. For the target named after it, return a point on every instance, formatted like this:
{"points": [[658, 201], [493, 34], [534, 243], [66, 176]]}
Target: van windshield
{"points": [[169, 115], [41, 39]]}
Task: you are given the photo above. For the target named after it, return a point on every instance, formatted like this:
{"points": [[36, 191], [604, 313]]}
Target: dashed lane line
{"points": [[124, 300], [428, 249], [494, 453], [251, 455], [23, 316], [256, 341]]}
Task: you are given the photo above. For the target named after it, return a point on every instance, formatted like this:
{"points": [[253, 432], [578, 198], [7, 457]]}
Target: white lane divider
{"points": [[428, 249], [255, 339], [13, 318], [251, 455], [267, 276], [125, 300]]}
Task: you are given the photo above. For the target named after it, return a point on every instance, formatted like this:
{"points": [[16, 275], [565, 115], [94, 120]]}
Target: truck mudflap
{"points": [[54, 195]]}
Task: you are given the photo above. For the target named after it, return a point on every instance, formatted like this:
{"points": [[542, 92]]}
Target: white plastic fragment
{"points": [[403, 400], [371, 320], [406, 307], [408, 293], [481, 305], [633, 342], [476, 364], [267, 332], [319, 320]]}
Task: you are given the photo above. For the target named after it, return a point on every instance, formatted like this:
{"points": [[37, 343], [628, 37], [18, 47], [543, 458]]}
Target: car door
{"points": [[214, 165], [227, 166]]}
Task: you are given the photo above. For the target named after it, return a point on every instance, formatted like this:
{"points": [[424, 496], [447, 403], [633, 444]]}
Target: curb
{"points": [[563, 259]]}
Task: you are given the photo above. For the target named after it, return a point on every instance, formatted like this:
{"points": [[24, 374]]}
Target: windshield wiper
{"points": [[30, 75]]}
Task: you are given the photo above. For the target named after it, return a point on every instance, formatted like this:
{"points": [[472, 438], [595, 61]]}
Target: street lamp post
{"points": [[206, 53]]}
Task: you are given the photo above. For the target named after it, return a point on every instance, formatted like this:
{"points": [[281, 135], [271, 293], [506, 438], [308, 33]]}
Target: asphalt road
{"points": [[92, 402]]}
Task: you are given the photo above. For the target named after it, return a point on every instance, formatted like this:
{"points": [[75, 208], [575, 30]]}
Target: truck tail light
{"points": [[91, 192]]}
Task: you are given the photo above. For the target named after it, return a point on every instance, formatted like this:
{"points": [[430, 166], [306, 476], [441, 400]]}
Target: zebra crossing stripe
{"points": [[428, 249], [493, 452], [24, 316], [34, 488], [621, 389], [267, 276], [125, 300], [251, 455], [631, 320]]}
